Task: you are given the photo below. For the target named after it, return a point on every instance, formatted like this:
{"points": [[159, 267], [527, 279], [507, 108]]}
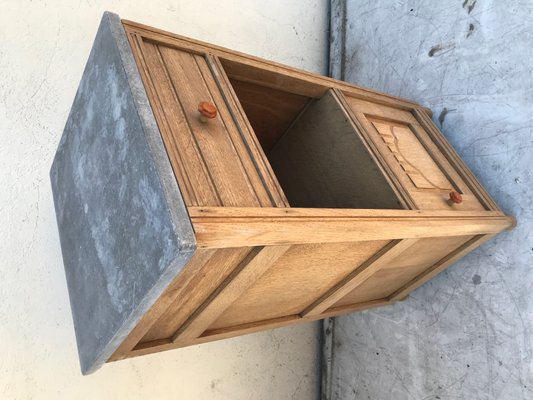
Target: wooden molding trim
{"points": [[218, 227]]}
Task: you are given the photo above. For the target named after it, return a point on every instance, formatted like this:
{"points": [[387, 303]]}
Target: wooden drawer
{"points": [[305, 197]]}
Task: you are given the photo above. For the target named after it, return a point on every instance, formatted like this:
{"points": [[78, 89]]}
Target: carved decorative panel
{"points": [[412, 156]]}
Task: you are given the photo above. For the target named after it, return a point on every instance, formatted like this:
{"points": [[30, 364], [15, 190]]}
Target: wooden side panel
{"points": [[410, 151], [219, 334], [223, 277], [270, 111], [177, 81], [258, 261], [412, 262], [358, 276], [296, 280], [418, 252], [219, 227]]}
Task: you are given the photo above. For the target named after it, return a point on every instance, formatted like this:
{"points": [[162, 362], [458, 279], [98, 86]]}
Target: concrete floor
{"points": [[468, 333], [43, 49]]}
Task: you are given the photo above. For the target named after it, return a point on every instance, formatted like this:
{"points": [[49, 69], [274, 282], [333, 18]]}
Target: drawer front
{"points": [[216, 162], [407, 148]]}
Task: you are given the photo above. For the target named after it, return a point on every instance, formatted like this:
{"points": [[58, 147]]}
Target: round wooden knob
{"points": [[207, 111], [455, 198]]}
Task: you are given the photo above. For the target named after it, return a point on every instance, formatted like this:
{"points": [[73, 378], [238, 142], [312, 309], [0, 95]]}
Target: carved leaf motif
{"points": [[412, 157]]}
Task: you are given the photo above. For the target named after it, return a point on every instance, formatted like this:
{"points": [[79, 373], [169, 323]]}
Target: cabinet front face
{"points": [[275, 135]]}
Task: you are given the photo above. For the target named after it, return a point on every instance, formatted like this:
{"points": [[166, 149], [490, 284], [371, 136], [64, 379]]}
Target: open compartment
{"points": [[316, 153]]}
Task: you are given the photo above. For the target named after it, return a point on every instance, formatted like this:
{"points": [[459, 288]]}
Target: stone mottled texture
{"points": [[123, 226], [468, 333]]}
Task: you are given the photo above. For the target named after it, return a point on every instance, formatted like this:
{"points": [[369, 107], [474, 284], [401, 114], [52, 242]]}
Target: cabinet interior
{"points": [[318, 157]]}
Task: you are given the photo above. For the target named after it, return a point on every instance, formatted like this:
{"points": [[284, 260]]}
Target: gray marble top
{"points": [[124, 229]]}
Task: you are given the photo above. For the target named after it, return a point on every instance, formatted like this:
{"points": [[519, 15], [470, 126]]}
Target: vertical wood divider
{"points": [[246, 273]]}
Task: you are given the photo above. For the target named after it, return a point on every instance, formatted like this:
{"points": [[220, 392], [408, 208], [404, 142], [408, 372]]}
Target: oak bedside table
{"points": [[202, 194]]}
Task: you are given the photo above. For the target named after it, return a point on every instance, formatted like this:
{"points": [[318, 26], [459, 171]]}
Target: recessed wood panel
{"points": [[296, 280], [249, 271], [321, 162], [177, 81], [412, 156], [405, 267]]}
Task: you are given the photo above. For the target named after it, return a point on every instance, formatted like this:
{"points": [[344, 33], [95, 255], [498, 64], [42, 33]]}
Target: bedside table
{"points": [[202, 194]]}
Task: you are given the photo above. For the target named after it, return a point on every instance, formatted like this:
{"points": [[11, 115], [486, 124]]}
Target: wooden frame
{"points": [[219, 227]]}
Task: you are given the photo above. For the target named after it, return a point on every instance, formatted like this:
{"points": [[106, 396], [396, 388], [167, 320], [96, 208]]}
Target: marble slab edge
{"points": [[124, 228]]}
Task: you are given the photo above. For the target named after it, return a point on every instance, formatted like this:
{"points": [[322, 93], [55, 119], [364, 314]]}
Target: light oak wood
{"points": [[369, 175], [247, 272], [453, 158], [265, 71], [234, 227], [247, 133], [411, 155], [177, 81], [397, 271], [270, 111], [209, 336], [409, 150], [438, 267], [395, 184], [208, 278], [171, 296], [357, 277]]}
